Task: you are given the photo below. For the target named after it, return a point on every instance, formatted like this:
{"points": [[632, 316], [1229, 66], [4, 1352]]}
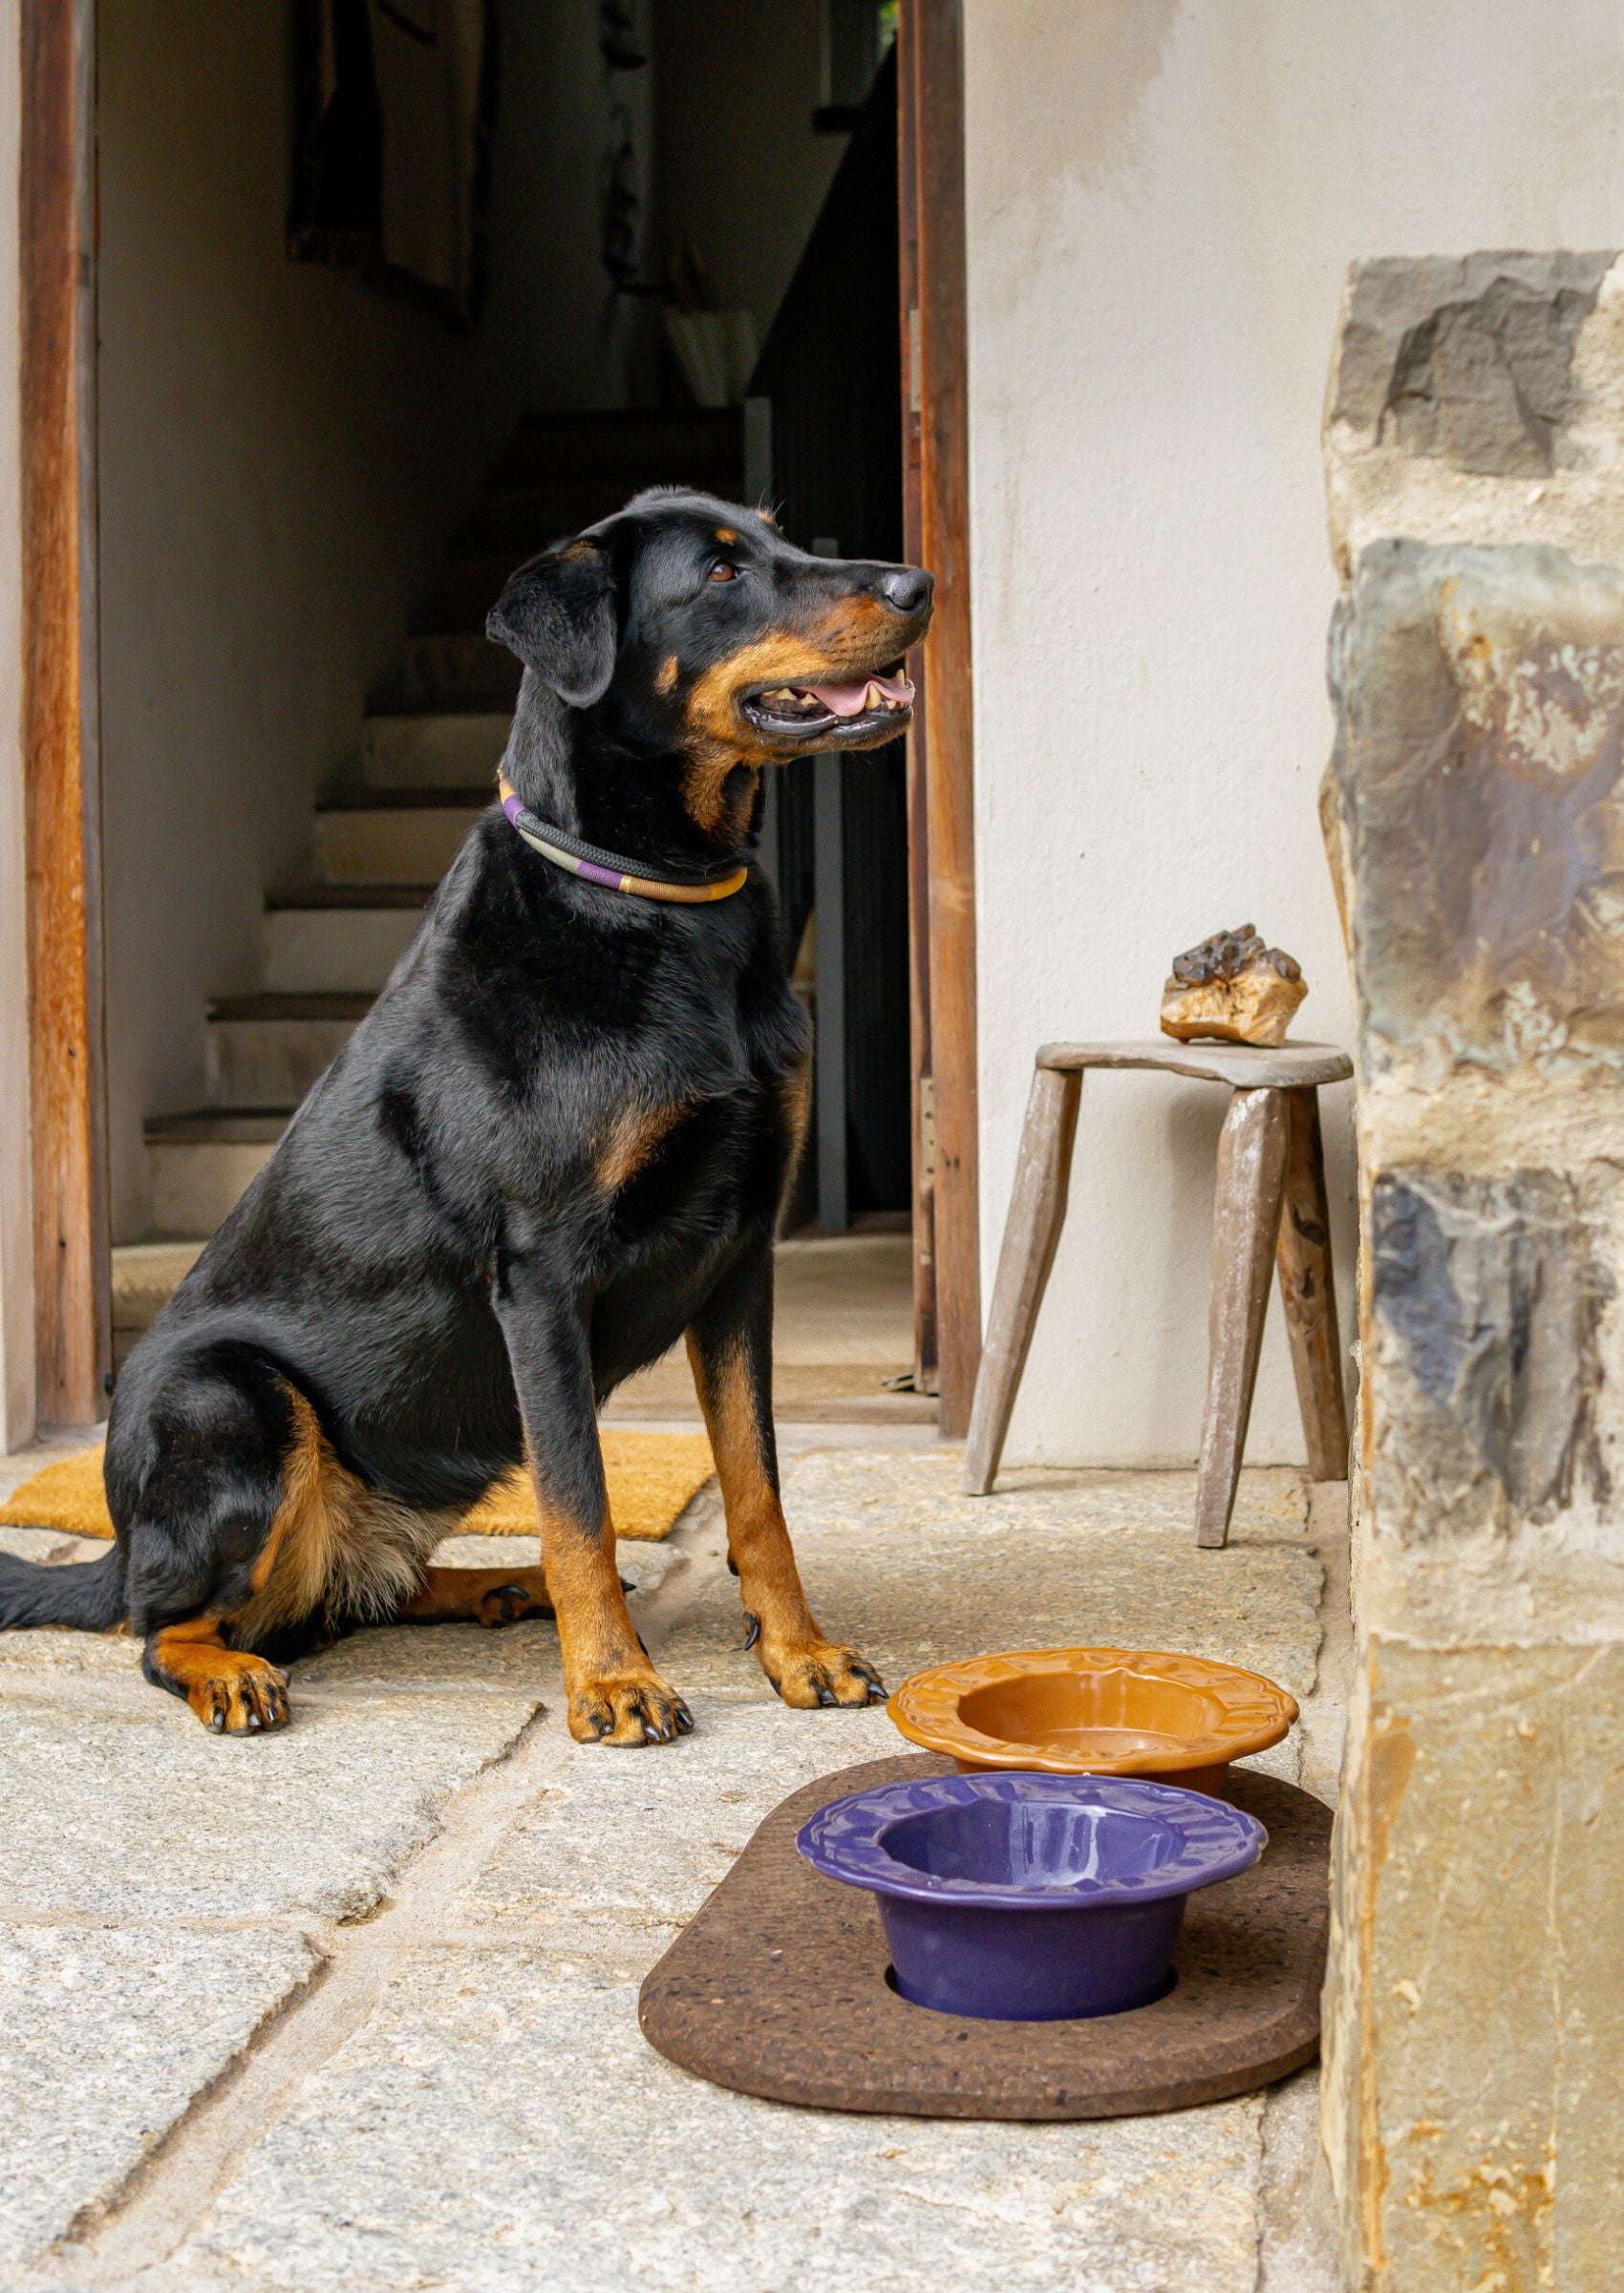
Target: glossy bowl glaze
{"points": [[1031, 1898], [1095, 1711]]}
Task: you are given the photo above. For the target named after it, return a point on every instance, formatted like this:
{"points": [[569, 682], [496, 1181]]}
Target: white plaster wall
{"points": [[1162, 197], [16, 1236], [284, 455]]}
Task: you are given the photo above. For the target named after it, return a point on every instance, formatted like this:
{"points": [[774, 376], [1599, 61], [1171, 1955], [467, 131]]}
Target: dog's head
{"points": [[691, 628]]}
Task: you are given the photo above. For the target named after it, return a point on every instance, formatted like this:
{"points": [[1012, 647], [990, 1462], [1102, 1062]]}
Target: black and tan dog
{"points": [[558, 1141]]}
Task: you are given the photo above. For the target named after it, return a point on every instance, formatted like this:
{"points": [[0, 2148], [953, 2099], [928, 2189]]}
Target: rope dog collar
{"points": [[607, 869]]}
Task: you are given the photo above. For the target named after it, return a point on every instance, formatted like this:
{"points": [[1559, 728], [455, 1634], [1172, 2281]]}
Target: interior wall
{"points": [[284, 455], [741, 173], [1162, 201]]}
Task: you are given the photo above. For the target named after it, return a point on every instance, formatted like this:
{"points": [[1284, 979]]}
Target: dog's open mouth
{"points": [[882, 701]]}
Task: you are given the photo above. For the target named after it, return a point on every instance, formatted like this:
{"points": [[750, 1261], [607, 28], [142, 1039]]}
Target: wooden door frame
{"points": [[931, 239], [62, 748], [61, 709]]}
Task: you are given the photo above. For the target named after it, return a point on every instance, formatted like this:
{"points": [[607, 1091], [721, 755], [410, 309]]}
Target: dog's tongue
{"points": [[850, 701]]}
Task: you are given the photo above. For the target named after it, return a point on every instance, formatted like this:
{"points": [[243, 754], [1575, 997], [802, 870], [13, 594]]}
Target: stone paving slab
{"points": [[497, 2124], [895, 1560], [105, 2036], [654, 1835], [131, 1804], [495, 2120]]}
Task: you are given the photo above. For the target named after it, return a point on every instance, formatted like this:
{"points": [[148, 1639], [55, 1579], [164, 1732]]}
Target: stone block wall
{"points": [[1475, 811]]}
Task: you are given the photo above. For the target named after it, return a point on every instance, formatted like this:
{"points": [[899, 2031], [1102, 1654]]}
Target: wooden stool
{"points": [[1270, 1155]]}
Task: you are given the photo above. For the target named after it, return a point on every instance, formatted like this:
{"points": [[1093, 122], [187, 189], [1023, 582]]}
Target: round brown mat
{"points": [[779, 1988]]}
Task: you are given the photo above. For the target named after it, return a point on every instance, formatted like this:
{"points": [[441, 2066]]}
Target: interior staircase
{"points": [[382, 835]]}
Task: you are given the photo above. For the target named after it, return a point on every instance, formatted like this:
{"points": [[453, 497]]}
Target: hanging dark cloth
{"points": [[395, 120]]}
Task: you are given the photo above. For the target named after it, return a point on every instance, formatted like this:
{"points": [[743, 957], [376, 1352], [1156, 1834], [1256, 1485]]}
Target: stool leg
{"points": [[1308, 1291], [1245, 1215], [1037, 1211]]}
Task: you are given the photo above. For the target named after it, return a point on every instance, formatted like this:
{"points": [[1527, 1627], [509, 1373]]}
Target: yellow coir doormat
{"points": [[651, 1477]]}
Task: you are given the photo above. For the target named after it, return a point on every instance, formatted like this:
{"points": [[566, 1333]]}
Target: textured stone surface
{"points": [[497, 2124], [624, 1835], [1474, 2034], [465, 2100], [1469, 358], [1489, 1294], [1256, 1008], [105, 2037], [897, 1561], [1478, 399], [1484, 1855], [1481, 733], [189, 1825]]}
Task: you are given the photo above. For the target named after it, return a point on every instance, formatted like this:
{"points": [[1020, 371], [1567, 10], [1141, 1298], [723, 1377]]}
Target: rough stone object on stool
{"points": [[1233, 987]]}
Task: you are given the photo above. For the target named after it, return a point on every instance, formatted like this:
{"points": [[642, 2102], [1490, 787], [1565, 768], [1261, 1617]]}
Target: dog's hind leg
{"points": [[233, 1515], [479, 1596], [730, 1348]]}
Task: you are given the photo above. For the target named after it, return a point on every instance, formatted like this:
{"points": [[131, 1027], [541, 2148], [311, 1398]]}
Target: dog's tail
{"points": [[86, 1594]]}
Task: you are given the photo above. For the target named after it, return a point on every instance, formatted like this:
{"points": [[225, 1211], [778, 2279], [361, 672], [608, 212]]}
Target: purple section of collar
{"points": [[590, 874], [512, 806]]}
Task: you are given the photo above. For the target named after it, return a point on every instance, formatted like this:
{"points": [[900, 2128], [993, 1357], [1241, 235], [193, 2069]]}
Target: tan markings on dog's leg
{"points": [[634, 1137], [806, 1668], [479, 1596], [234, 1693], [615, 1696], [665, 676]]}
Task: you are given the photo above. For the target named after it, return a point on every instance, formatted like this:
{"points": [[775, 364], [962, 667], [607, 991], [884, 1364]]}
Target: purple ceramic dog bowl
{"points": [[1031, 1899]]}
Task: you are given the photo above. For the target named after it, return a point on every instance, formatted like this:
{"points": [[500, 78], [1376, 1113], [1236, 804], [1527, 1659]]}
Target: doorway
{"points": [[622, 393]]}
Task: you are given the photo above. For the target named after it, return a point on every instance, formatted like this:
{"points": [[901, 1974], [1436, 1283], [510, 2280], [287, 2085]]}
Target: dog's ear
{"points": [[557, 613]]}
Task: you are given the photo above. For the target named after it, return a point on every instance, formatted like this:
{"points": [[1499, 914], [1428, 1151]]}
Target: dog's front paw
{"points": [[626, 1707], [814, 1672]]}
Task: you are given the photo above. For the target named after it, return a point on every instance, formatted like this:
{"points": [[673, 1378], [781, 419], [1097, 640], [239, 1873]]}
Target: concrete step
{"points": [[400, 836], [434, 748], [633, 448], [323, 942], [468, 587], [198, 1164], [452, 668], [267, 1050], [527, 518]]}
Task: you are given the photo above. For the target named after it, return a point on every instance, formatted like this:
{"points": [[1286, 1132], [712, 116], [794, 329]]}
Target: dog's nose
{"points": [[906, 587]]}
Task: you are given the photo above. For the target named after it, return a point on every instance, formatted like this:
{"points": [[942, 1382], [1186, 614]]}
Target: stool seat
{"points": [[1244, 1066], [1270, 1211]]}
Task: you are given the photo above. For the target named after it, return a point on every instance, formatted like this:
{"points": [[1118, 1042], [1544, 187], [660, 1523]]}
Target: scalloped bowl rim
{"points": [[1258, 1713], [846, 1840]]}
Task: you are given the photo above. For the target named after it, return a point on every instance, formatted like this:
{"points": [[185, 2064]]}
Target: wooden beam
{"points": [[935, 52], [921, 1083], [61, 764]]}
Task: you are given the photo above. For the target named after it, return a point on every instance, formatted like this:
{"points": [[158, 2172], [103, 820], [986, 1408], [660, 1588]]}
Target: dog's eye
{"points": [[721, 570]]}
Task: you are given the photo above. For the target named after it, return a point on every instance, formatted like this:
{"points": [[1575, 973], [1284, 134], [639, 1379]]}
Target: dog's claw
{"points": [[752, 1631], [732, 1566], [684, 1721]]}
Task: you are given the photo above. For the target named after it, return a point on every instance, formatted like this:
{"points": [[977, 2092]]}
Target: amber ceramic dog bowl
{"points": [[1095, 1711]]}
